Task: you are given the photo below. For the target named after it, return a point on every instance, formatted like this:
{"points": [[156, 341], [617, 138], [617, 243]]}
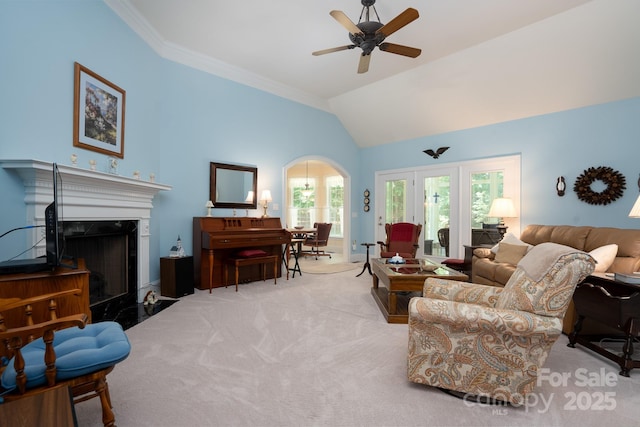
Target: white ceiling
{"points": [[482, 62]]}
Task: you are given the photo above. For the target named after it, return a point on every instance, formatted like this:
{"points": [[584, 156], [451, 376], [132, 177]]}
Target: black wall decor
{"points": [[614, 180]]}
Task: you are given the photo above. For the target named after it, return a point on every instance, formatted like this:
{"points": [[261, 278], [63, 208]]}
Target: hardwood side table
{"points": [[615, 305], [176, 276], [367, 265]]}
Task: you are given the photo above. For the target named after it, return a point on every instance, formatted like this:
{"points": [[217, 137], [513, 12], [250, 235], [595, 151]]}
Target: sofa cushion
{"points": [[510, 254], [567, 235], [628, 257], [511, 239], [251, 253], [604, 256]]}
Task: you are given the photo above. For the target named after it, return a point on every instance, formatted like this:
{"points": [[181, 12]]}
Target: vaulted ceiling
{"points": [[482, 61]]}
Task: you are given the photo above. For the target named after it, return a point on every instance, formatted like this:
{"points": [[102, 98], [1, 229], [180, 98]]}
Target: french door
{"points": [[397, 203], [451, 201]]}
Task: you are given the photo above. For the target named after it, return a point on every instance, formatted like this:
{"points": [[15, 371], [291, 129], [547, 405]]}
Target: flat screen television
{"points": [[54, 237], [54, 228]]}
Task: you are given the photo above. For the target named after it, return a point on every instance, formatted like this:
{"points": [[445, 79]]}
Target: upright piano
{"points": [[219, 238]]}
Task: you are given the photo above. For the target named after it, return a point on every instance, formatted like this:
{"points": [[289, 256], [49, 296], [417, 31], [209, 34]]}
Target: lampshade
{"points": [[635, 210], [249, 198], [266, 196], [502, 208], [209, 204]]}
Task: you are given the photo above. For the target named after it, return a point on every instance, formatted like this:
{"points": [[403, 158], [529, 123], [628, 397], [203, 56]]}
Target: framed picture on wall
{"points": [[98, 113]]}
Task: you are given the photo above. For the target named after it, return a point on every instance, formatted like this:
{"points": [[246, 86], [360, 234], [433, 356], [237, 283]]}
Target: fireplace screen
{"points": [[109, 251]]}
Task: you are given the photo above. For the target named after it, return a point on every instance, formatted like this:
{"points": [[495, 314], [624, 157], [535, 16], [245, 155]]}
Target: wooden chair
{"points": [[402, 239], [53, 352], [318, 240]]}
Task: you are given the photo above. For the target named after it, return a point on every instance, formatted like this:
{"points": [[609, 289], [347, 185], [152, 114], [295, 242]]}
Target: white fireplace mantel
{"points": [[89, 195]]}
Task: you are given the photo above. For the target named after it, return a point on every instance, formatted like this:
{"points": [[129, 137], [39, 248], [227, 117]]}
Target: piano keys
{"points": [[218, 238]]}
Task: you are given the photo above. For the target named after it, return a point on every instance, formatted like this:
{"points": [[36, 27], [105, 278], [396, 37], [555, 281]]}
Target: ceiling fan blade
{"points": [[363, 66], [398, 49], [344, 20], [333, 49], [398, 22]]}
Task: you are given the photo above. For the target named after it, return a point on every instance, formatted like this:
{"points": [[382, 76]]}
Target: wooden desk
{"points": [[34, 284], [401, 280]]}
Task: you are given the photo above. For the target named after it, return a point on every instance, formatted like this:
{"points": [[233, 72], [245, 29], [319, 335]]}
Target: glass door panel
{"points": [[437, 209], [397, 203], [485, 186]]}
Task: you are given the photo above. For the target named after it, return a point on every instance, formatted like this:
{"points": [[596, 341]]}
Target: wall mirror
{"points": [[233, 186]]}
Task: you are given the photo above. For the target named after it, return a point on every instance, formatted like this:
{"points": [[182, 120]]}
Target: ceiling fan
{"points": [[368, 34]]}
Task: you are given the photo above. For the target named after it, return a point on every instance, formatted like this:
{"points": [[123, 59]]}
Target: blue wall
{"points": [[551, 145], [179, 119]]}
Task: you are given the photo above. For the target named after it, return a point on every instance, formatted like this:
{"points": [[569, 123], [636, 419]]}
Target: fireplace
{"points": [[110, 253], [92, 200]]}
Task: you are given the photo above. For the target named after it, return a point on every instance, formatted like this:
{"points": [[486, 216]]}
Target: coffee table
{"points": [[401, 282]]}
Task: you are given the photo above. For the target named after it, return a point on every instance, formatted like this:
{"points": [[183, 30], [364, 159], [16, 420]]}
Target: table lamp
{"points": [[635, 210], [209, 205], [502, 207], [265, 199]]}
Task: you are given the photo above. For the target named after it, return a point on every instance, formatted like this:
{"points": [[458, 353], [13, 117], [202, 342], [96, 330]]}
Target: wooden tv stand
{"points": [[27, 285]]}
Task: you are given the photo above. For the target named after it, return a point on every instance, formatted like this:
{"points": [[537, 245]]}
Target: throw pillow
{"points": [[250, 253], [511, 239], [510, 254], [604, 256]]}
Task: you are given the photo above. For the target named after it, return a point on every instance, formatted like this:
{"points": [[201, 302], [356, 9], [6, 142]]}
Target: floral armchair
{"points": [[490, 342]]}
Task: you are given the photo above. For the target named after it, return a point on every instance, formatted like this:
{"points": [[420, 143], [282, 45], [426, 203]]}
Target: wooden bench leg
{"points": [[275, 271]]}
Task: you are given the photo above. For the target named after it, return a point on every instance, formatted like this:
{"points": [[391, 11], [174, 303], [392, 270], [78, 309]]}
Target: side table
{"points": [[367, 265], [615, 305], [176, 276]]}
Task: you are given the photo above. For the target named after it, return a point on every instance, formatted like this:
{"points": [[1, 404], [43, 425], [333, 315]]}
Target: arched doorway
{"points": [[316, 190]]}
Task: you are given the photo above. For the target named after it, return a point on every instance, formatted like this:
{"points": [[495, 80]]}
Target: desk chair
{"points": [[318, 240]]}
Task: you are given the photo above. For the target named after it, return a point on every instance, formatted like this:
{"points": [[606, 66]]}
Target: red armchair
{"points": [[402, 239]]}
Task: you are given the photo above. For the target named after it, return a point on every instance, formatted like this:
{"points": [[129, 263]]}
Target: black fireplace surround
{"points": [[109, 249]]}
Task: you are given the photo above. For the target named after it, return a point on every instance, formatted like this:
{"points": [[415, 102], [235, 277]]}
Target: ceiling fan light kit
{"points": [[368, 34]]}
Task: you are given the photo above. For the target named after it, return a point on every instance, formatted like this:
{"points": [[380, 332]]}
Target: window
{"points": [[335, 196], [485, 186], [302, 212]]}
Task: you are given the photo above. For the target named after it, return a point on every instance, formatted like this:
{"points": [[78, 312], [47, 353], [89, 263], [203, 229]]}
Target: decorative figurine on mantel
{"points": [[113, 166], [177, 251]]}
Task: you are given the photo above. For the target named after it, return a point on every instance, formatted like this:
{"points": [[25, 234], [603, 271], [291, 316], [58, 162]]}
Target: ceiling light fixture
{"points": [[307, 192]]}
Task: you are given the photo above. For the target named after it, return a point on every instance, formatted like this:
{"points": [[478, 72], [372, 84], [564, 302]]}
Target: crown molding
{"points": [[130, 15]]}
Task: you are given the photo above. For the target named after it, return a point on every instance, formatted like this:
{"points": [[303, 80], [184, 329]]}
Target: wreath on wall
{"points": [[613, 179]]}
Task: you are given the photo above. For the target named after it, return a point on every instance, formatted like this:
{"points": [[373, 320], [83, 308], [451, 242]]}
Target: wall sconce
{"points": [[561, 186], [265, 198], [502, 208]]}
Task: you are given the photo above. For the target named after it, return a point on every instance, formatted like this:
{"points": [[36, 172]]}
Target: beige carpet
{"points": [[316, 351]]}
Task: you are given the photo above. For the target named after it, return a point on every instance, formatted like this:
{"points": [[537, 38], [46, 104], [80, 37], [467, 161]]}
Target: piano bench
{"points": [[240, 262]]}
